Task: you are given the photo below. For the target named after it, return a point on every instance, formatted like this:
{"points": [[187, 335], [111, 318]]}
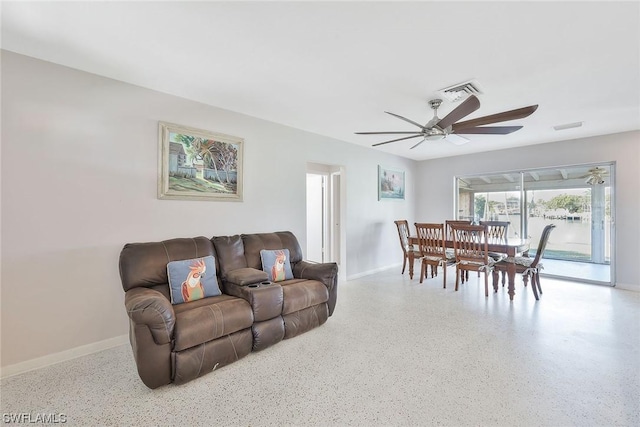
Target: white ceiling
{"points": [[334, 68]]}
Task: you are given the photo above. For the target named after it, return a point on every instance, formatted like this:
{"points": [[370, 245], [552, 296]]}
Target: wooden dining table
{"points": [[511, 247]]}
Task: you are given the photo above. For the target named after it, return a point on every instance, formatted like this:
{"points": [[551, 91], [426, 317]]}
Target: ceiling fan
{"points": [[595, 176], [441, 128]]}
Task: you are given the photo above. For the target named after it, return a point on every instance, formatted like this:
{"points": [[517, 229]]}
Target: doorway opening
{"points": [[325, 214]]}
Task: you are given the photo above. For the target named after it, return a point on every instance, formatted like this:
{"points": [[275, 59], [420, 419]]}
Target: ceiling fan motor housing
{"points": [[435, 103], [434, 134]]}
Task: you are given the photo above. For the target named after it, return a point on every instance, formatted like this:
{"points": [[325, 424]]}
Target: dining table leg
{"points": [[511, 274]]}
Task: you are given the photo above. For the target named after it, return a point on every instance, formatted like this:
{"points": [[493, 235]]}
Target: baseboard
{"points": [[628, 287], [374, 271], [63, 356]]}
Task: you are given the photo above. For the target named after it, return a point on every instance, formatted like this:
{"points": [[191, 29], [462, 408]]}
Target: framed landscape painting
{"points": [[390, 183], [196, 164]]}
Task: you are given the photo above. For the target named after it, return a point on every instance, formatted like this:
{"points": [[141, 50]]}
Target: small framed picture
{"points": [[196, 164], [390, 183]]}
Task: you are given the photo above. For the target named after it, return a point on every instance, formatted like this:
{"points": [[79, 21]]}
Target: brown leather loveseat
{"points": [[177, 343]]}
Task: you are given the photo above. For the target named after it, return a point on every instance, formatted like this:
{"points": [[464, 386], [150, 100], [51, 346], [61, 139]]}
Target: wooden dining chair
{"points": [[525, 265], [409, 253], [449, 228], [448, 223], [471, 249], [497, 231], [433, 250]]}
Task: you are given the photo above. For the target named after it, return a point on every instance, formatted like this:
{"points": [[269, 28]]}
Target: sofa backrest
{"points": [[145, 264], [243, 250], [254, 243], [230, 250]]}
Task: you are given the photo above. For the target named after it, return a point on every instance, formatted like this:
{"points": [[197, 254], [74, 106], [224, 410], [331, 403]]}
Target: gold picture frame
{"points": [[196, 164]]}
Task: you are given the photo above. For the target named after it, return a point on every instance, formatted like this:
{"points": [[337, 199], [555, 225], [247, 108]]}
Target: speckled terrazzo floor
{"points": [[395, 353]]}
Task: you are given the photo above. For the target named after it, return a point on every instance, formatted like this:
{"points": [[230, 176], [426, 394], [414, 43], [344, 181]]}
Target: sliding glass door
{"points": [[577, 199]]}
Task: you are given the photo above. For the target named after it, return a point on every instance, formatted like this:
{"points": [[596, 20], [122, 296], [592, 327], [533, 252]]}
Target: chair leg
{"points": [[404, 263], [486, 283], [504, 273], [495, 276], [525, 279], [444, 276], [537, 276], [457, 277], [533, 286], [423, 271]]}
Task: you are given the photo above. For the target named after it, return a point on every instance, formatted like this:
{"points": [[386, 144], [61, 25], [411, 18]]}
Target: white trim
{"points": [[628, 287], [63, 356], [377, 270]]}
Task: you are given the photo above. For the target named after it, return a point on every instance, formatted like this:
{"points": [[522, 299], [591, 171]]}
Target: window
{"points": [[577, 199]]}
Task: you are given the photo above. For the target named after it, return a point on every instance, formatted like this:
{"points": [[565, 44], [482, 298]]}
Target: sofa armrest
{"points": [[324, 272], [327, 273], [149, 307], [265, 300]]}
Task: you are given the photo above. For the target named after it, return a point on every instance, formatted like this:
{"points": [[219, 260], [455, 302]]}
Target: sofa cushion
{"points": [[192, 279], [276, 264], [300, 293], [210, 318]]}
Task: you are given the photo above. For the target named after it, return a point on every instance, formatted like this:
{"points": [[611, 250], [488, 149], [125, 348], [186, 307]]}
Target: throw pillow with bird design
{"points": [[192, 279], [276, 264]]}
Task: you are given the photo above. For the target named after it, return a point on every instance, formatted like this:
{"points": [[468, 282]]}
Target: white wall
{"points": [[435, 178], [79, 170]]}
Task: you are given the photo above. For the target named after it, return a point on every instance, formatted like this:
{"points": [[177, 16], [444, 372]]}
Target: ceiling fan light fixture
{"points": [[595, 176], [594, 179], [434, 134]]}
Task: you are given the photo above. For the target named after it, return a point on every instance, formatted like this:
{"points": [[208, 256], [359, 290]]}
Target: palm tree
{"points": [[214, 154]]}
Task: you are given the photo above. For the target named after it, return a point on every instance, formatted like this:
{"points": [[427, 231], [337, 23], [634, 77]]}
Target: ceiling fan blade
{"points": [[394, 140], [491, 130], [405, 119], [598, 175], [388, 133], [518, 113], [469, 105], [418, 144]]}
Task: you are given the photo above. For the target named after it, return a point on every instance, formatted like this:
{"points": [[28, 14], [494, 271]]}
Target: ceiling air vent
{"points": [[461, 91], [568, 126]]}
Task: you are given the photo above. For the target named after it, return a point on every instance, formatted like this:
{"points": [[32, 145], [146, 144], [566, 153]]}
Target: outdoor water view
{"points": [[569, 209]]}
